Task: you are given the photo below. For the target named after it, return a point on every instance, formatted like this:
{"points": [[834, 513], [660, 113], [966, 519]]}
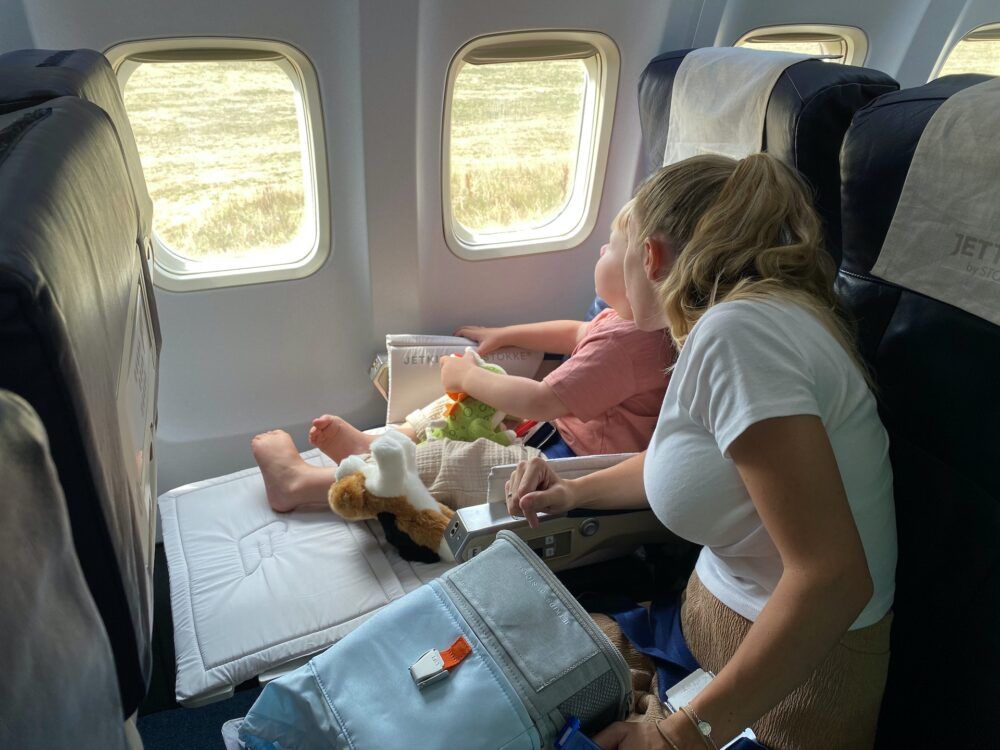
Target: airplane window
{"points": [[978, 52], [835, 44], [526, 132], [222, 155], [515, 136], [832, 51], [231, 158]]}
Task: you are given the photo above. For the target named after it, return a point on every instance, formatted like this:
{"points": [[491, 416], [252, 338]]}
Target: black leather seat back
{"points": [[808, 113], [30, 77], [59, 688], [936, 368], [76, 342]]}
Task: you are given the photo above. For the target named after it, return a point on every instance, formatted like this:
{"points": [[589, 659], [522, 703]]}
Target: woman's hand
{"points": [[454, 371], [534, 488], [489, 339], [632, 735]]}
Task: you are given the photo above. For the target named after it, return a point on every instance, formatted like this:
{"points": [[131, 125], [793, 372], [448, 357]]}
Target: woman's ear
{"points": [[656, 258]]}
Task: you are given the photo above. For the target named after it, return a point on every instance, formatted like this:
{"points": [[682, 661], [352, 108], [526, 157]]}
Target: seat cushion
{"points": [[808, 113]]}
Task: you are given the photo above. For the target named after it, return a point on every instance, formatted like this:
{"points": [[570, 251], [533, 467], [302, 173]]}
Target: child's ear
{"points": [[655, 258]]}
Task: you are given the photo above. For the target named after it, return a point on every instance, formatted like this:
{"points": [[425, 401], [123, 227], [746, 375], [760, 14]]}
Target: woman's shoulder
{"points": [[751, 318], [759, 329], [753, 310], [752, 330]]}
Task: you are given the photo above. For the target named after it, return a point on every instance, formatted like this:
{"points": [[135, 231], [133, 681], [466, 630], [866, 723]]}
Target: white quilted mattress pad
{"points": [[252, 589]]}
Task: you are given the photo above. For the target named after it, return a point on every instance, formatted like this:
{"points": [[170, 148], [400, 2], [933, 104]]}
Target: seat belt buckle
{"points": [[434, 665], [428, 669]]}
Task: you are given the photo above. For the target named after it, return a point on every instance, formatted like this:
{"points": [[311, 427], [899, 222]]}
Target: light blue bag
{"points": [[536, 658]]}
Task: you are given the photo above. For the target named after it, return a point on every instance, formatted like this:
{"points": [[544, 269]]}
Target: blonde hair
{"points": [[739, 230], [620, 222]]}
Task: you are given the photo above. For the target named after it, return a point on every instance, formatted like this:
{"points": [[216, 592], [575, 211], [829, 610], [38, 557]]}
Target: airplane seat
{"points": [[77, 343], [30, 77], [935, 366], [808, 112], [59, 687]]}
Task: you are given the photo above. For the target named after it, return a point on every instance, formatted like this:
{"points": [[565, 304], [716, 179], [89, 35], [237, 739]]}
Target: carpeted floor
{"points": [[194, 728]]}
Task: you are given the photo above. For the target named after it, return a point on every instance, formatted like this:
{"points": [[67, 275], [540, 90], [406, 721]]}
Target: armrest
{"points": [[563, 541], [571, 468]]}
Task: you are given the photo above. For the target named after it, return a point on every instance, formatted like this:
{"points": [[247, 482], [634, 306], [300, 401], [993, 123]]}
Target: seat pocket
{"points": [[539, 629]]}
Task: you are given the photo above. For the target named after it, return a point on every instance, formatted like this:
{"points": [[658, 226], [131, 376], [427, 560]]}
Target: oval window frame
{"points": [[172, 271]]}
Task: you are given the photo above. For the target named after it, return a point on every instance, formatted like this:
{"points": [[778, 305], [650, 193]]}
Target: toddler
{"points": [[604, 399]]}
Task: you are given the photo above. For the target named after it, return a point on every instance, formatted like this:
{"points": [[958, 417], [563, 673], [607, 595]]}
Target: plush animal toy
{"points": [[467, 418], [390, 490]]}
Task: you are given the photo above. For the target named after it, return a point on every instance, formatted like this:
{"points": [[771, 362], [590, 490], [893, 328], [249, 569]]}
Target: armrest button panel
{"points": [[562, 541]]}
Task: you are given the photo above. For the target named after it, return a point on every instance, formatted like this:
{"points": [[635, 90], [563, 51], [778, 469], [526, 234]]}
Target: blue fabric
{"points": [[595, 307], [557, 448], [657, 633], [548, 440]]}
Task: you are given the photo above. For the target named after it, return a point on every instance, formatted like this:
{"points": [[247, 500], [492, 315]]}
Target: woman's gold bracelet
{"points": [[700, 727], [673, 745]]}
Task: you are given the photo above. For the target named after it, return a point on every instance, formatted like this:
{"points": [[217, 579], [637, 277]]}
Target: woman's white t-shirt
{"points": [[743, 362]]}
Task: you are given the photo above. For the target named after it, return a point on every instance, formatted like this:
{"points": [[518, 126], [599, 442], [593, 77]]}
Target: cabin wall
{"points": [[243, 359], [14, 30]]}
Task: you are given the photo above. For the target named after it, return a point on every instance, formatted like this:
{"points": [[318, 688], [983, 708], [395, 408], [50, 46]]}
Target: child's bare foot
{"points": [[338, 439], [289, 481]]}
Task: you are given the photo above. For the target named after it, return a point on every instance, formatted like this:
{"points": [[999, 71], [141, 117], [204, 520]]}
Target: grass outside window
{"points": [[979, 52], [845, 45], [526, 132], [815, 49], [222, 150], [515, 139]]}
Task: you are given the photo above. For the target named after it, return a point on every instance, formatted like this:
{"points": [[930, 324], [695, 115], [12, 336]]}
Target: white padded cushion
{"points": [[251, 589]]}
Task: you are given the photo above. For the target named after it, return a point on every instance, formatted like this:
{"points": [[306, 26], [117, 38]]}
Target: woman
{"points": [[768, 451]]}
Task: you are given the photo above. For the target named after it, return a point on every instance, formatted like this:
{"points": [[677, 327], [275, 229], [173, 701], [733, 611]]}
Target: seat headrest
{"points": [[29, 77], [809, 111], [878, 149]]}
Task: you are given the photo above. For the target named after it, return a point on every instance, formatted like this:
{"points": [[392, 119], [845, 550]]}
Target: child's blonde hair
{"points": [[738, 229], [620, 222]]}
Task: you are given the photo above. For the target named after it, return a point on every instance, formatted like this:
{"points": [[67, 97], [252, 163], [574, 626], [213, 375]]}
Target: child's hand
{"points": [[489, 339], [454, 371]]}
